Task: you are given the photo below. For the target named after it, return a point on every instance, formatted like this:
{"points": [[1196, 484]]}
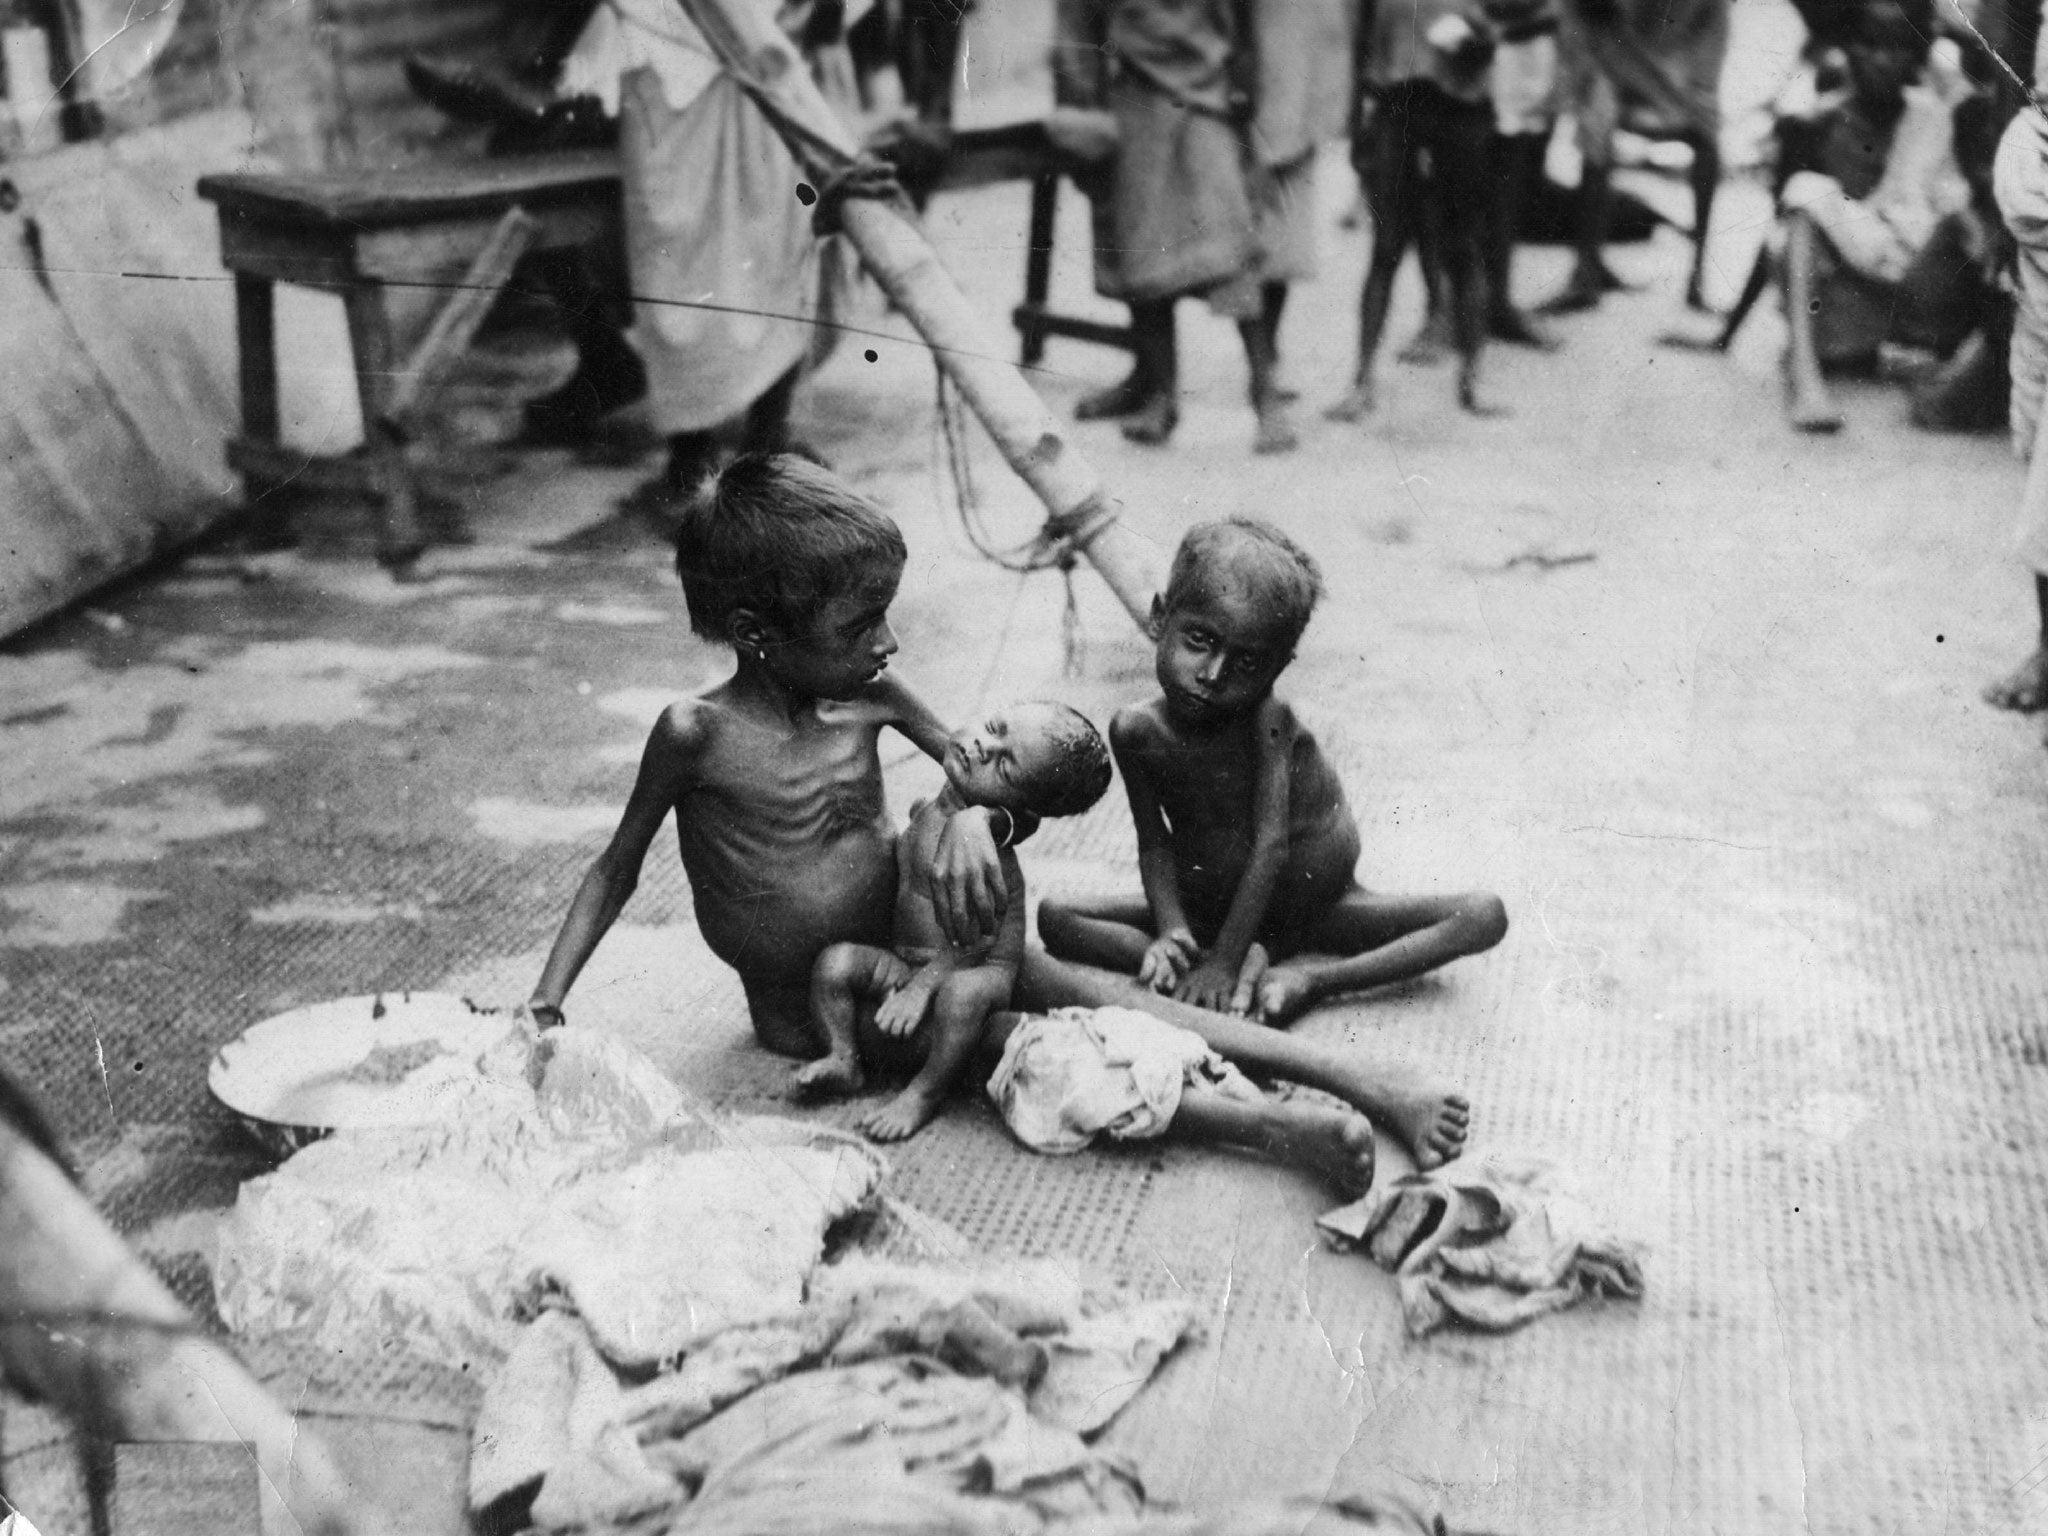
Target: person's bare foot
{"points": [[1814, 413], [1276, 432], [1470, 403], [1285, 993], [1517, 330], [1430, 343], [1338, 1145], [1575, 298], [1691, 341], [2024, 690], [1355, 406], [1151, 426], [1430, 1123], [829, 1077], [1122, 398], [902, 1117]]}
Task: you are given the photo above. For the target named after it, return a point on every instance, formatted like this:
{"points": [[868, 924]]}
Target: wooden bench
{"points": [[402, 247]]}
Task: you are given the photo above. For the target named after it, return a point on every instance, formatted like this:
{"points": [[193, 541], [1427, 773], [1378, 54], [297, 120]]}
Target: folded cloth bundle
{"points": [[1071, 1075], [1488, 1241]]}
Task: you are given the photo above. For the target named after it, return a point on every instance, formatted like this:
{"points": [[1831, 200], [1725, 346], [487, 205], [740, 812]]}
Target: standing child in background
{"points": [[1034, 759], [1420, 143], [773, 775], [1246, 845], [1301, 70], [1180, 223]]}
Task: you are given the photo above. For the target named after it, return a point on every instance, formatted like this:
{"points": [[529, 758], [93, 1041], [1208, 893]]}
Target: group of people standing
{"points": [[1221, 105]]}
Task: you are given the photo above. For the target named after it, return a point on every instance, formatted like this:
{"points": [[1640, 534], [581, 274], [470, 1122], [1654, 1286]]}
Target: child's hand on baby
{"points": [[1167, 959]]}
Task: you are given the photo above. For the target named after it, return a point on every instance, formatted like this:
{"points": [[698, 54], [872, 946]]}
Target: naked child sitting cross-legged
{"points": [[1246, 846]]}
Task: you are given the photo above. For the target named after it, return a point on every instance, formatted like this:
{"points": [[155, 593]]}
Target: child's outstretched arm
{"points": [[1174, 952], [1214, 982], [667, 767], [968, 890]]}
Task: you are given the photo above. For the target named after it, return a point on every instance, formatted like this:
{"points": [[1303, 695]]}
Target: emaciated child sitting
{"points": [[773, 775], [1246, 846], [1038, 759]]}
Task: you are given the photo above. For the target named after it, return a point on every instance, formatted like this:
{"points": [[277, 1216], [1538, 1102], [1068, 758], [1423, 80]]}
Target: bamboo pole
{"points": [[1079, 508], [86, 1326]]}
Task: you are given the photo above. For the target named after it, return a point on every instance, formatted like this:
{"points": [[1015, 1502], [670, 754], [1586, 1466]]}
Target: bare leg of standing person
{"points": [[1153, 340], [1517, 163], [1706, 181], [1422, 1113], [1393, 188], [1261, 336], [1812, 408]]}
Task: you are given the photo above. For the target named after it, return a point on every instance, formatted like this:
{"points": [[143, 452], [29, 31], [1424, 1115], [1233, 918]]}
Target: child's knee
{"points": [[1484, 918], [1055, 922], [838, 968]]}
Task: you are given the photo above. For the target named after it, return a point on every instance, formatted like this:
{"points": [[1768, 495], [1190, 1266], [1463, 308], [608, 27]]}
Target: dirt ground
{"points": [[1696, 695]]}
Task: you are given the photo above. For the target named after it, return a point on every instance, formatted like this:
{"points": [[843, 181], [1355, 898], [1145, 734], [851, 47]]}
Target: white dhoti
{"points": [[2019, 178], [730, 285], [725, 267]]}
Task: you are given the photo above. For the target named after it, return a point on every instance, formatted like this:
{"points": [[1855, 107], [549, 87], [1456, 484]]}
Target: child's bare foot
{"points": [[2023, 690], [903, 1116], [1285, 994], [1430, 343], [829, 1077], [1518, 330], [1276, 430], [1355, 406], [1339, 1146], [1431, 1124], [1153, 423], [1471, 404]]}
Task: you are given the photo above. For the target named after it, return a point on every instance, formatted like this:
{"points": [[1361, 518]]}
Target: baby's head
{"points": [[1042, 758], [1237, 599], [786, 563]]}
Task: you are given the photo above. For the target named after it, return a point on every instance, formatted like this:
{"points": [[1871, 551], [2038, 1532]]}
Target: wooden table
{"points": [[395, 243]]}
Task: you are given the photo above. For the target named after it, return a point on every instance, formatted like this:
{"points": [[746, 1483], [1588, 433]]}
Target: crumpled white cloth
{"points": [[1006, 1372], [1489, 1241], [603, 1186], [1067, 1077]]}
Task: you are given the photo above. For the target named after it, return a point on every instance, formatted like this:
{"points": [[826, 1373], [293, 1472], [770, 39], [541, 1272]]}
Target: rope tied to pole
{"points": [[1057, 545]]}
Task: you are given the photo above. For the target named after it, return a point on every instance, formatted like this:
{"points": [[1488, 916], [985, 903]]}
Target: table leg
{"points": [[399, 540], [1045, 207], [256, 337]]}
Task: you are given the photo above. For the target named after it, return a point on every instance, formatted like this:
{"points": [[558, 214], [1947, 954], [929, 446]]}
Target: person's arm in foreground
{"points": [[1174, 952], [667, 767]]}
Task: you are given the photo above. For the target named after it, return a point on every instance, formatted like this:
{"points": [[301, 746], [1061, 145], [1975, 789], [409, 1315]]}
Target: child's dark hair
{"points": [[1284, 576], [1079, 771], [779, 535]]}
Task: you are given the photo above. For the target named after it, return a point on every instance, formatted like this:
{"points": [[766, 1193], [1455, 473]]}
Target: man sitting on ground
{"points": [[1871, 209]]}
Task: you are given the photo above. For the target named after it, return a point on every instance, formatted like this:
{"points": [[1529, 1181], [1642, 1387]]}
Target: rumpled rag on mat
{"points": [[1068, 1076], [1489, 1241]]}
